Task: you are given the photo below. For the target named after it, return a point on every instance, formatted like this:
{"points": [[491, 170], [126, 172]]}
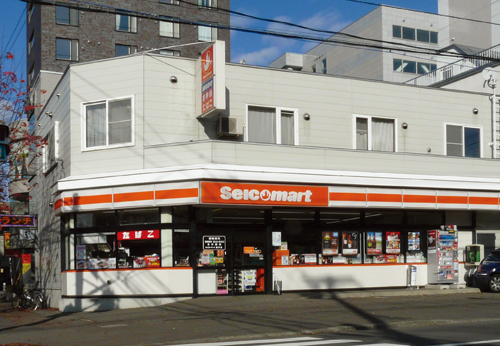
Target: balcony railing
{"points": [[458, 67]]}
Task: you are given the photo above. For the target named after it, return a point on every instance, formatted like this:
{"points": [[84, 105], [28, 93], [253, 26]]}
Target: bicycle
{"points": [[29, 298]]}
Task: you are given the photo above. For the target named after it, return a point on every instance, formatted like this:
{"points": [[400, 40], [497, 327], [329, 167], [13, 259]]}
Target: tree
{"points": [[25, 146]]}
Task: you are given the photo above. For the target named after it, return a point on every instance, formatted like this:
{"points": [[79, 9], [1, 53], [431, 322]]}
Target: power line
{"points": [[385, 45], [13, 32]]}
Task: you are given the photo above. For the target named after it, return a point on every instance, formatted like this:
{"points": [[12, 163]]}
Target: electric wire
{"points": [[6, 48], [383, 45]]}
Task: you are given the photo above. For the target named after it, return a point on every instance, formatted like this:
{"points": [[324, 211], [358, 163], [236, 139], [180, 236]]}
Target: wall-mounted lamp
{"points": [[58, 95], [404, 126], [475, 111], [50, 114], [173, 79], [51, 204], [307, 116]]}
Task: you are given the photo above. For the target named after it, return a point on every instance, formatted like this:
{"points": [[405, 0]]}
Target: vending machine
{"points": [[442, 255]]}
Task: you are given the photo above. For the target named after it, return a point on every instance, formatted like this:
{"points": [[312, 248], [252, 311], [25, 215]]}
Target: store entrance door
{"points": [[239, 269]]}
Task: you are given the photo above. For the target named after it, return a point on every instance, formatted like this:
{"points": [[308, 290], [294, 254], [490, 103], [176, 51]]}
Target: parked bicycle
{"points": [[29, 297]]}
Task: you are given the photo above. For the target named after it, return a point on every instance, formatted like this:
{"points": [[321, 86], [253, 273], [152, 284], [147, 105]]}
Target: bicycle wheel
{"points": [[38, 300]]}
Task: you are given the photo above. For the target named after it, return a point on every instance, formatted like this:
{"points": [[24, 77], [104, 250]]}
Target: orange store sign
{"points": [[263, 194]]}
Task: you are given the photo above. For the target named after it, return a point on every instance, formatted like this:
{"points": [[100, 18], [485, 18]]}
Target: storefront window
{"points": [[181, 247], [139, 216], [425, 218], [383, 217], [96, 219]]}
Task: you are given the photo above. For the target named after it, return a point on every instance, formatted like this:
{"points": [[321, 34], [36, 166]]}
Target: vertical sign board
{"points": [[211, 80]]}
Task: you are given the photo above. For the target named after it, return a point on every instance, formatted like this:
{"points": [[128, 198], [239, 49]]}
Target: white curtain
{"points": [[120, 122], [362, 133], [261, 125], [382, 134], [96, 125], [287, 128]]}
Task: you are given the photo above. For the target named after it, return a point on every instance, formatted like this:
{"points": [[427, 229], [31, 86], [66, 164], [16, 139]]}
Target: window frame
{"points": [[76, 16], [169, 2], [370, 132], [132, 22], [212, 31], [478, 127], [71, 48], [176, 27], [31, 42], [107, 145], [130, 48], [50, 153], [213, 4], [278, 111]]}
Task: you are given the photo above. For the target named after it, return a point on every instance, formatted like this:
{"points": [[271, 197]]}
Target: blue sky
{"points": [[254, 49]]}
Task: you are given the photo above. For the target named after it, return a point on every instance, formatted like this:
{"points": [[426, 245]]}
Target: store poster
{"points": [[413, 241], [374, 243], [276, 238], [350, 243], [431, 240], [393, 243], [81, 252], [330, 243], [152, 261]]}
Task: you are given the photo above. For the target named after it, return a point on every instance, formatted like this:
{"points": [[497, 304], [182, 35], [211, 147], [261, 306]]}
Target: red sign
{"points": [[13, 253], [17, 221], [263, 194], [207, 80], [152, 261], [136, 235], [26, 258], [207, 64]]}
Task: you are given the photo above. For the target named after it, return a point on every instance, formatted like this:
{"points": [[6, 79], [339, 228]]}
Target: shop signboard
{"points": [[17, 221], [27, 234], [393, 243], [350, 243], [136, 235], [330, 243], [374, 243], [263, 194], [12, 253], [214, 242], [26, 261]]}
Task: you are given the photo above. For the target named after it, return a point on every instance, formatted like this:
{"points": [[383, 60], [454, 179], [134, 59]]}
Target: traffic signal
{"points": [[4, 143]]}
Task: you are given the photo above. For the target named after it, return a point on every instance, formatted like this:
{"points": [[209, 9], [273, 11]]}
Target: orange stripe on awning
{"points": [[452, 199], [177, 193], [419, 199], [58, 204], [384, 197], [68, 201], [484, 200], [347, 197], [134, 196], [84, 200]]}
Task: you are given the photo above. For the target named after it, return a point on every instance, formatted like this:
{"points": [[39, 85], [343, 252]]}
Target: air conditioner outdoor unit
{"points": [[227, 127]]}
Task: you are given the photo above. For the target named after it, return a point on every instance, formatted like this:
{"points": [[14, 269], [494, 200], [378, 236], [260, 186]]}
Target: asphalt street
{"points": [[232, 319]]}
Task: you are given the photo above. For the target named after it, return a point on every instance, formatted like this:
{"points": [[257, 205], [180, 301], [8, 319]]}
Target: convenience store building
{"points": [[168, 183]]}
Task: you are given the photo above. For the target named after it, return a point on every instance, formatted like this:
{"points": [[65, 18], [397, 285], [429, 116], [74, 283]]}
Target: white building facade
{"points": [[322, 182]]}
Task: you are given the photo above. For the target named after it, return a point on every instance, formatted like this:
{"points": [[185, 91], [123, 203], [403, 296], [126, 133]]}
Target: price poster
{"points": [[393, 243], [374, 243], [413, 241], [431, 240], [330, 243], [350, 243]]}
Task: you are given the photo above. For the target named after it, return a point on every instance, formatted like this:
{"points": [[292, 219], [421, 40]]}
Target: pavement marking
{"points": [[471, 343], [114, 325], [300, 341], [248, 342]]}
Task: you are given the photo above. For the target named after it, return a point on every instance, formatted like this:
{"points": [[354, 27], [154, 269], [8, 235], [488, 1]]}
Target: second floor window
{"points": [[125, 22], [108, 123], [66, 49], [272, 125], [463, 141], [207, 33], [375, 134], [121, 50], [169, 27], [66, 15]]}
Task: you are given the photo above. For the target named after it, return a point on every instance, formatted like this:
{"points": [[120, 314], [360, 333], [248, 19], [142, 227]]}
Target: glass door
{"points": [[249, 259]]}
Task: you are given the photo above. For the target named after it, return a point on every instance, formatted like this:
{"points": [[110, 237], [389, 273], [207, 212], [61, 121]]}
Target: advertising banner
{"points": [[374, 243], [393, 243], [350, 243], [330, 243], [26, 261]]}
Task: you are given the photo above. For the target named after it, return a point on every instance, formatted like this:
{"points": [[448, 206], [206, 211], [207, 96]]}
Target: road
{"points": [[401, 320]]}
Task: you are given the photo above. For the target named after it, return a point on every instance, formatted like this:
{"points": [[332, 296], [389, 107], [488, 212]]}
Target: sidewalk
{"points": [[232, 317]]}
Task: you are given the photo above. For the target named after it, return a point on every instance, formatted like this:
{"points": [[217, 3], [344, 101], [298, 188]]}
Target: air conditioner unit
{"points": [[227, 127]]}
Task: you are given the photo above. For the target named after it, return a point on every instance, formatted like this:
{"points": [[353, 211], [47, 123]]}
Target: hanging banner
{"points": [[6, 241], [26, 261]]}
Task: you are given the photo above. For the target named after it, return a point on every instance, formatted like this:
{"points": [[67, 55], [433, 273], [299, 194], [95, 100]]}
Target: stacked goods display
{"points": [[442, 251]]}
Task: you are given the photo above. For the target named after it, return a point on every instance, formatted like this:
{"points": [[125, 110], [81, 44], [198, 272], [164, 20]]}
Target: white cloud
{"points": [[261, 57]]}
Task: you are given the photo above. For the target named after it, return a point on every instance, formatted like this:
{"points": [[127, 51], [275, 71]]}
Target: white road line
{"points": [[248, 342], [114, 325], [471, 343], [321, 342]]}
